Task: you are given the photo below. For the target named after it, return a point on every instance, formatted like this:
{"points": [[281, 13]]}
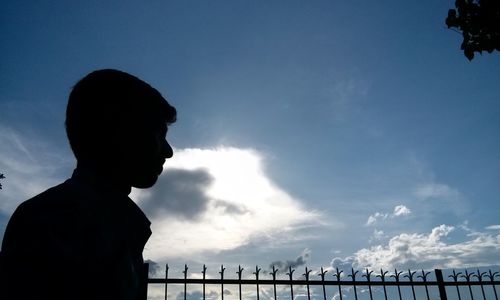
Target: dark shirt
{"points": [[78, 240]]}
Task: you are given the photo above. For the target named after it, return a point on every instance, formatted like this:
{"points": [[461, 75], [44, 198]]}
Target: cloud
{"points": [[301, 260], [376, 236], [217, 199], [493, 227], [399, 211], [180, 193], [435, 191], [427, 251], [154, 269]]}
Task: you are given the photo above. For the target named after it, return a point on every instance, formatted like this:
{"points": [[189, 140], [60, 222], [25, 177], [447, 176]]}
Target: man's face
{"points": [[145, 152]]}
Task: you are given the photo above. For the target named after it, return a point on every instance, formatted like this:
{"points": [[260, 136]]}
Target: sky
{"points": [[320, 133]]}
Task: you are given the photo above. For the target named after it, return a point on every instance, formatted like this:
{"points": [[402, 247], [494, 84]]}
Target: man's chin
{"points": [[145, 182]]}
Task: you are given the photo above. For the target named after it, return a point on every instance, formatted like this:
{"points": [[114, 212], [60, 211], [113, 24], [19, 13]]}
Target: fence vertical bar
{"points": [[396, 276], [185, 281], [143, 287], [306, 274], [222, 281], [440, 281], [337, 274], [410, 277], [368, 278], [290, 274], [491, 276], [424, 278], [467, 278], [322, 274], [479, 277], [240, 270], [353, 276], [204, 272], [257, 270], [382, 277], [166, 284], [455, 278], [273, 273]]}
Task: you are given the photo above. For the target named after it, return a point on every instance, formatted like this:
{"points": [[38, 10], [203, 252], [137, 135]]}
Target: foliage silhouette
{"points": [[479, 23], [1, 177]]}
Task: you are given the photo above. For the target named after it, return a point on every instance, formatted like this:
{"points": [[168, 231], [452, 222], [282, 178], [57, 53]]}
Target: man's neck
{"points": [[102, 179]]}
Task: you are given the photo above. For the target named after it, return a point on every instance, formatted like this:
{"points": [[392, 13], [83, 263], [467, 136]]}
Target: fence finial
{"points": [[240, 270]]}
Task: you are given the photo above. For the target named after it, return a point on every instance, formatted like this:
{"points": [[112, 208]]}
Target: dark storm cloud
{"points": [[283, 266], [154, 268], [180, 193]]}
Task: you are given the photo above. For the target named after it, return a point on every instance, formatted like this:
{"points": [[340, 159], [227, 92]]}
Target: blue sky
{"points": [[332, 131]]}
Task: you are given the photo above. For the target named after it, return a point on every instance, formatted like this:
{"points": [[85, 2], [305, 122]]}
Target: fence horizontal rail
{"points": [[314, 282]]}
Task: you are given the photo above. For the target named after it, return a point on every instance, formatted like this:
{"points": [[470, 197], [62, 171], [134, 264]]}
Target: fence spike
{"points": [[290, 274], [322, 274], [410, 277], [240, 270], [492, 276], [257, 270], [424, 278], [166, 278], [353, 276], [222, 269], [455, 276], [382, 276], [185, 283], [204, 272], [479, 277], [396, 276], [273, 273], [367, 276], [467, 277], [338, 274], [306, 274]]}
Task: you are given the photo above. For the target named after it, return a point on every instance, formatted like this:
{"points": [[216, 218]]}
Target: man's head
{"points": [[116, 125]]}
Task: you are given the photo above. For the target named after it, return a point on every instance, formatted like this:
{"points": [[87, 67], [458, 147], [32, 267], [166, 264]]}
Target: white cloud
{"points": [[372, 219], [236, 203], [399, 211], [427, 251], [493, 227]]}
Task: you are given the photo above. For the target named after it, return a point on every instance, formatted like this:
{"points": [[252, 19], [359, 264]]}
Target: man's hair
{"points": [[106, 101]]}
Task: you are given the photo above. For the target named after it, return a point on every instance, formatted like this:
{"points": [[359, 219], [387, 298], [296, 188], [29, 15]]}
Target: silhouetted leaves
{"points": [[1, 177], [479, 23]]}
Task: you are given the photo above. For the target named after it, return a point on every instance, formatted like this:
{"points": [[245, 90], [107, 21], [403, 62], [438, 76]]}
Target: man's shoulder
{"points": [[53, 200], [41, 214]]}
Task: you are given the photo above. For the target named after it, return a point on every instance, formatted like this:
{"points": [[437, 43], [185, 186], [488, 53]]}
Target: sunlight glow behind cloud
{"points": [[241, 203]]}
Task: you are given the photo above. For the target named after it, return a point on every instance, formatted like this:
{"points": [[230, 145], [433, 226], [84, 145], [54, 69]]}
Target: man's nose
{"points": [[168, 152]]}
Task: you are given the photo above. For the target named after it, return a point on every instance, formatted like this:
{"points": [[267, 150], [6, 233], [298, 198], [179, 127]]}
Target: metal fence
{"points": [[333, 284]]}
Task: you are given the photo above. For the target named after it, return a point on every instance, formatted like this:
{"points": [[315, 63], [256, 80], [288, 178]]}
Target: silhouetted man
{"points": [[84, 238]]}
